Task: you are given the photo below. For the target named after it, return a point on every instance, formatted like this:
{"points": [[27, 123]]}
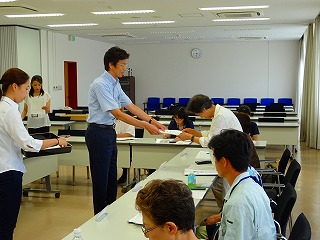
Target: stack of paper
{"points": [[137, 219], [171, 132], [204, 170], [203, 156]]}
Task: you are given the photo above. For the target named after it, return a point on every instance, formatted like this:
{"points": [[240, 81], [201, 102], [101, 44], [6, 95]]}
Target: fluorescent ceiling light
{"points": [[7, 0], [233, 8], [123, 12], [35, 15], [240, 19], [73, 25], [151, 22]]}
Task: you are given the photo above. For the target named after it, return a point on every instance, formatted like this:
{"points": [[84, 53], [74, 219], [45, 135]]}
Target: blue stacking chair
{"points": [[266, 101], [285, 101], [250, 100], [233, 101], [152, 104], [218, 101], [183, 101], [167, 101]]}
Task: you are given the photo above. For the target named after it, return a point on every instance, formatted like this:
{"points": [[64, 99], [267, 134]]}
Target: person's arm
{"points": [[255, 137], [46, 108], [135, 110], [213, 219], [188, 136], [25, 111], [150, 127], [62, 142]]}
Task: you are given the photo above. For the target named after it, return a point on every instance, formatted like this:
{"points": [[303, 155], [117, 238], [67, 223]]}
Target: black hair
{"points": [[199, 103], [181, 113], [37, 78], [244, 109], [114, 55], [233, 145], [12, 75], [244, 120]]}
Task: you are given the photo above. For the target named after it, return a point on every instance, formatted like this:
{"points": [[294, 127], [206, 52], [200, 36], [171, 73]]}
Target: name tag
{"points": [[34, 115]]}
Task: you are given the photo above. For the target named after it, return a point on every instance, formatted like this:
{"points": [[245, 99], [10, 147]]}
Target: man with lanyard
{"points": [[246, 212], [106, 98]]}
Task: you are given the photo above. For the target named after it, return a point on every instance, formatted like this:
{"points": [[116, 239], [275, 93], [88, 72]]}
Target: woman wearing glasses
{"points": [[167, 209]]}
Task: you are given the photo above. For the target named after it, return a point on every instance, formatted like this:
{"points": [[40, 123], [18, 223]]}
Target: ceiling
{"points": [[288, 19]]}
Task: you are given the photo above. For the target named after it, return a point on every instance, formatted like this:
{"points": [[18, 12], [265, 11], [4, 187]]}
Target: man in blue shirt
{"points": [[246, 212], [106, 98]]}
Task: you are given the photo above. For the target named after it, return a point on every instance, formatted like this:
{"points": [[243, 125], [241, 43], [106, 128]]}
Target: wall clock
{"points": [[196, 53]]}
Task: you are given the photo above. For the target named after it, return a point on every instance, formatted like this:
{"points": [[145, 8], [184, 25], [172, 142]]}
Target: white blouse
{"points": [[37, 117], [13, 137]]}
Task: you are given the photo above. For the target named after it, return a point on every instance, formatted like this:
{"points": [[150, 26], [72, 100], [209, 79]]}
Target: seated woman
{"points": [[180, 120], [254, 130]]}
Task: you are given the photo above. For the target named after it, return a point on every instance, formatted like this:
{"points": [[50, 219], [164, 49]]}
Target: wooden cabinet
{"points": [[128, 86]]}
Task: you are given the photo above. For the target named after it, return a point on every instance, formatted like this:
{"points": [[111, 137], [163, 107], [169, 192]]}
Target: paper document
{"points": [[171, 132], [125, 138], [186, 142], [203, 156], [204, 170], [137, 219], [57, 146], [159, 140]]}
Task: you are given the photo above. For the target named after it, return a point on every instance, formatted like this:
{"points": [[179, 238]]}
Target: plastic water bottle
{"points": [[192, 180], [77, 234]]}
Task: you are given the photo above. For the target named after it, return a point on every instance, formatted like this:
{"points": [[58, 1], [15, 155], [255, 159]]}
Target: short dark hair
{"points": [[233, 145], [114, 55], [245, 109], [245, 121], [13, 75], [167, 201], [198, 103], [181, 113], [37, 78]]}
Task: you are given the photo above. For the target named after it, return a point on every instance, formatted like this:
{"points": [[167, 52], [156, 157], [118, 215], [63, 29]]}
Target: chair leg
{"points": [[57, 173], [73, 175], [88, 172]]}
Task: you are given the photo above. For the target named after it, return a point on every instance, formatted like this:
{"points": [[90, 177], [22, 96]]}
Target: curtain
{"points": [[310, 113], [8, 48]]}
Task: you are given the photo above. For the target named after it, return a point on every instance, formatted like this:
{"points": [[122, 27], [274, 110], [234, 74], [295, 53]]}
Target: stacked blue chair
{"points": [[250, 100], [183, 101], [219, 101], [167, 101], [152, 104], [285, 101], [233, 101], [266, 101]]}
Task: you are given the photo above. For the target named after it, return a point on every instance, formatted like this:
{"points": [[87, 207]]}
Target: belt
{"points": [[103, 125]]}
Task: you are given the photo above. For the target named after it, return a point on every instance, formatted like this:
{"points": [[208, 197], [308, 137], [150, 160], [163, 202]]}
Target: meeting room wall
{"points": [[56, 49], [226, 69]]}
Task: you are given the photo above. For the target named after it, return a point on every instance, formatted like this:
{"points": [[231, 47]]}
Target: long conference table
{"points": [[114, 218]]}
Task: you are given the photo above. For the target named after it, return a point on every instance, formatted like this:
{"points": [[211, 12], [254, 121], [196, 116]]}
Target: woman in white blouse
{"points": [[37, 107], [14, 136]]}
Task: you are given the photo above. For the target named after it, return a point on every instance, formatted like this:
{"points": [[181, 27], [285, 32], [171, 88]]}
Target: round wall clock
{"points": [[196, 53]]}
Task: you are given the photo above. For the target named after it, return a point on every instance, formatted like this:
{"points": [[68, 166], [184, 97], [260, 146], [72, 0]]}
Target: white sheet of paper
{"points": [[205, 170], [137, 219], [203, 156], [125, 138], [171, 132]]}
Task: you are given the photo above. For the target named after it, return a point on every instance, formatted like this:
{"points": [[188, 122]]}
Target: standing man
{"points": [[246, 212], [105, 100]]}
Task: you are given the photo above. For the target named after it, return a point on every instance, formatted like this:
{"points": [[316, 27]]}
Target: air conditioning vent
{"points": [[245, 14], [118, 35]]}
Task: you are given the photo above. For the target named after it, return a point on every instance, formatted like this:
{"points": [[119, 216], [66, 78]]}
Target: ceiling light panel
{"points": [[150, 22], [2, 1], [240, 19], [73, 25], [123, 12]]}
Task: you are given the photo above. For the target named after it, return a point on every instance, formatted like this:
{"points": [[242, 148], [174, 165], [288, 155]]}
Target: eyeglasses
{"points": [[145, 231], [123, 65]]}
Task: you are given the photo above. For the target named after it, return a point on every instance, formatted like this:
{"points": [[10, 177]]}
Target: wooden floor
{"points": [[42, 216]]}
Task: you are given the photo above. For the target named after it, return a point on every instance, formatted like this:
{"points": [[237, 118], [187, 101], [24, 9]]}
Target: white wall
{"points": [[56, 48], [232, 69]]}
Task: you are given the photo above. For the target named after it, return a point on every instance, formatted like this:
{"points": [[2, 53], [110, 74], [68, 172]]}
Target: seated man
{"points": [[246, 212], [167, 209]]}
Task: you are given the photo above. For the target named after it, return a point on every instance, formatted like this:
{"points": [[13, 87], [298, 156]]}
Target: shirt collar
{"points": [[114, 81], [238, 178], [10, 102]]}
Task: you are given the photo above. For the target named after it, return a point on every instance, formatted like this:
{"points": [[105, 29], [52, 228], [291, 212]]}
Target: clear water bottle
{"points": [[192, 180], [77, 234]]}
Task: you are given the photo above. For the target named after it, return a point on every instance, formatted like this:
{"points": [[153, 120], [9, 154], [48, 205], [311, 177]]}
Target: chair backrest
{"points": [[286, 101], [301, 229], [292, 173], [167, 101], [266, 101], [275, 107], [153, 103], [284, 161], [233, 101], [270, 119], [274, 114], [250, 100], [79, 133], [219, 101], [139, 133], [285, 203], [183, 101]]}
